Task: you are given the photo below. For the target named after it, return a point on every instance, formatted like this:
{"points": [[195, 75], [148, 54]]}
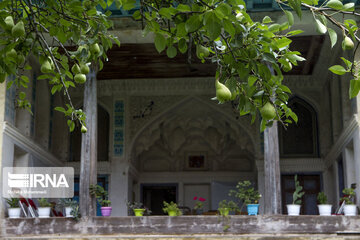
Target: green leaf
{"points": [[160, 42], [60, 109], [295, 32], [338, 69], [347, 62], [229, 27], [334, 4], [183, 8], [333, 37], [213, 26], [290, 17], [354, 88], [165, 12], [171, 52], [193, 23], [320, 27], [274, 27], [182, 45], [283, 42], [350, 7], [296, 6], [267, 19], [251, 80]]}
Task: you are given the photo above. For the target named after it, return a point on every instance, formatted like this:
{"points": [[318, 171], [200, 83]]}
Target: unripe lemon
{"points": [[80, 78], [268, 111], [83, 129], [75, 69], [9, 22], [11, 54], [347, 43], [18, 30], [223, 94], [94, 48], [46, 67], [202, 51], [84, 69]]}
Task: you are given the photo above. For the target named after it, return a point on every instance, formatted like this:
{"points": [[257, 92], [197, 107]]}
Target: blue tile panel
{"points": [[10, 102], [119, 131]]}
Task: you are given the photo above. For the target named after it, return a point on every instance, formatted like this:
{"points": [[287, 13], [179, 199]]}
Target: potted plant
{"points": [[171, 209], [138, 209], [44, 208], [248, 195], [324, 207], [69, 205], [294, 208], [14, 207], [102, 197], [199, 205], [226, 206], [350, 207]]}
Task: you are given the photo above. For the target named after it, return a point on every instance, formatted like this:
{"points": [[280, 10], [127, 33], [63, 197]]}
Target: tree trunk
{"points": [[272, 171], [88, 166]]}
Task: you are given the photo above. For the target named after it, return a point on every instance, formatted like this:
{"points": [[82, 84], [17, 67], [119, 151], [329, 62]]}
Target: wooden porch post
{"points": [[88, 165], [272, 170]]}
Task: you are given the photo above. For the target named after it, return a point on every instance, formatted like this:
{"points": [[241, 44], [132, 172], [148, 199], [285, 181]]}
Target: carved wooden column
{"points": [[88, 165], [272, 171]]}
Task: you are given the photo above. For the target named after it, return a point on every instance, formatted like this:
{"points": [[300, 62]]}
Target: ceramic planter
{"points": [[106, 211], [172, 213], [139, 212], [14, 212], [293, 209], [68, 211], [325, 209], [252, 209], [350, 210], [44, 212], [224, 211]]}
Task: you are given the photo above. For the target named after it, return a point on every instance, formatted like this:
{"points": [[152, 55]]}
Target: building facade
{"points": [[161, 137]]}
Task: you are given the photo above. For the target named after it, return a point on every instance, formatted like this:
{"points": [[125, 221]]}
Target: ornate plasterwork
{"points": [[193, 125]]}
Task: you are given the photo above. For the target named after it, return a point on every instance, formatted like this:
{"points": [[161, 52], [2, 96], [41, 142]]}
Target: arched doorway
{"points": [[191, 150]]}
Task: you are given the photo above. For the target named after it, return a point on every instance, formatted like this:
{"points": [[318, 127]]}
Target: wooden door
{"points": [[311, 185]]}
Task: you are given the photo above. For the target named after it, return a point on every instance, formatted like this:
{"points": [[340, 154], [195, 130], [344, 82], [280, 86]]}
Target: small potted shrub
{"points": [[294, 208], [14, 207], [44, 208], [69, 206], [350, 207], [226, 206], [324, 207], [138, 209], [248, 195], [171, 209], [199, 205], [102, 197]]}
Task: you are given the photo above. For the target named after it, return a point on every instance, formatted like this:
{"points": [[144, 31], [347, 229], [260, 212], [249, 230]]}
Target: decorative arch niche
{"points": [[300, 139], [196, 130], [103, 128]]}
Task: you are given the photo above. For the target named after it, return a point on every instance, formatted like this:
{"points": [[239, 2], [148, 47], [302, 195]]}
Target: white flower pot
{"points": [[44, 212], [68, 211], [14, 212], [325, 209], [350, 210], [293, 209]]}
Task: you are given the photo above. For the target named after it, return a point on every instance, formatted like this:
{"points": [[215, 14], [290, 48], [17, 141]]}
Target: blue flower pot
{"points": [[253, 209]]}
